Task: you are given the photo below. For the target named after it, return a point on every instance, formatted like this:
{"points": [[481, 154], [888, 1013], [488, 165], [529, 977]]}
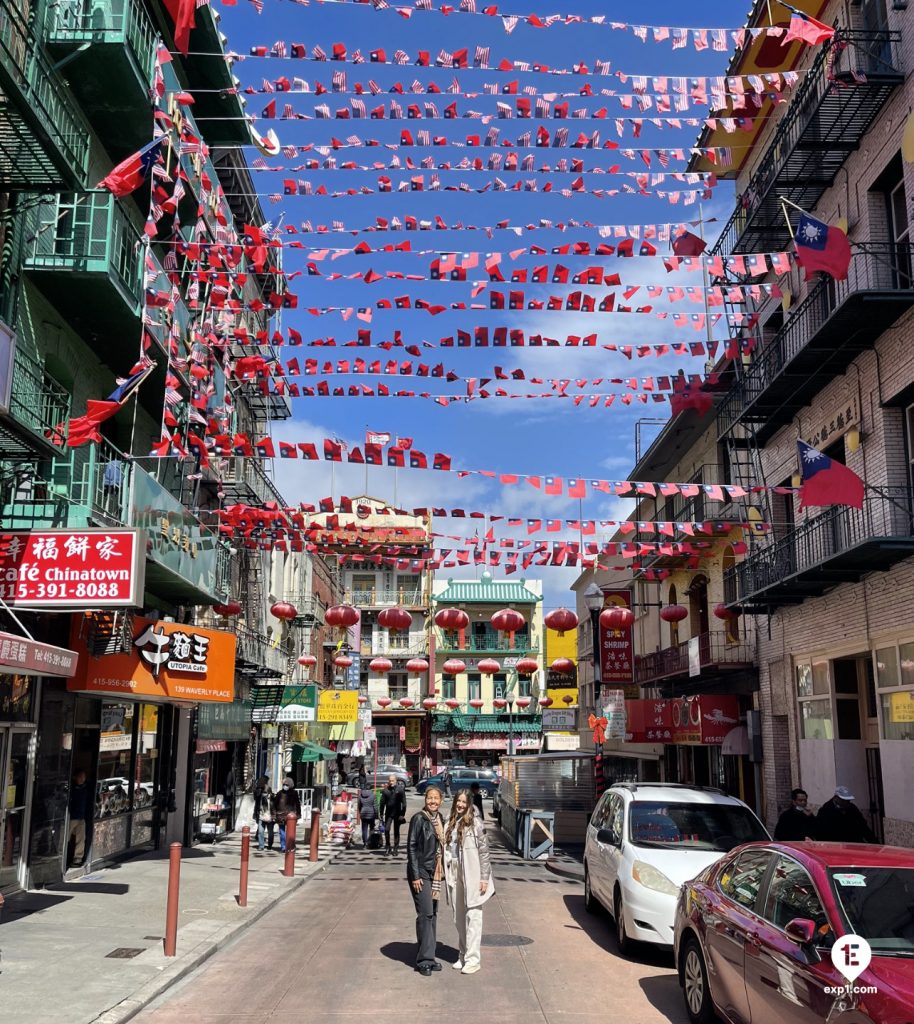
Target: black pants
{"points": [[426, 922], [367, 828], [392, 825]]}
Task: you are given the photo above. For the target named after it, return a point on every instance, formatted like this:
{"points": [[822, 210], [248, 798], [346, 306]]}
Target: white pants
{"points": [[469, 926]]}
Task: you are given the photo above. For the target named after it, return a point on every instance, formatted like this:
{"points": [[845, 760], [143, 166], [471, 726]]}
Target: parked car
{"points": [[463, 778], [378, 779], [754, 934], [645, 839]]}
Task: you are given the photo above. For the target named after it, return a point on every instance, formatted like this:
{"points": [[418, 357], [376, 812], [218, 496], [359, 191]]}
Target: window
{"points": [[600, 812], [895, 683], [742, 879], [909, 430], [692, 826], [813, 695], [409, 589], [474, 691], [615, 818], [449, 688], [792, 894], [847, 699], [363, 589]]}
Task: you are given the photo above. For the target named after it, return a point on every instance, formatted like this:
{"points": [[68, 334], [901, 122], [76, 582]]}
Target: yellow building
{"points": [[563, 689]]}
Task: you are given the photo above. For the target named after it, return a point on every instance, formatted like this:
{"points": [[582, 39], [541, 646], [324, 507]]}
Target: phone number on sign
{"points": [[21, 591]]}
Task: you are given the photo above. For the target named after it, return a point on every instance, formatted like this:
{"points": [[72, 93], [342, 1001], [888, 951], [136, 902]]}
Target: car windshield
{"points": [[693, 826], [878, 903]]}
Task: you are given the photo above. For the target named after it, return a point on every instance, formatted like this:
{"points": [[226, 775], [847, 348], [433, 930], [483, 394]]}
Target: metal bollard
{"points": [[289, 866], [315, 836], [245, 859], [171, 908]]}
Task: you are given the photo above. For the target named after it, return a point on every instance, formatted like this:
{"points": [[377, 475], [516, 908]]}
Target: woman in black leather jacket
{"points": [[425, 873]]}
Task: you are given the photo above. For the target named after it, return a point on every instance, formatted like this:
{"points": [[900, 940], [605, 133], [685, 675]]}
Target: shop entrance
{"points": [[17, 755]]}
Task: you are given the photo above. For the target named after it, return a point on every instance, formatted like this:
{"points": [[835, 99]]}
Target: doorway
{"points": [[17, 757]]}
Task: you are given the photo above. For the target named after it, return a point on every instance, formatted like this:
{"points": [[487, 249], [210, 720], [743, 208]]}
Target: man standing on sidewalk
{"points": [[79, 808], [393, 811]]}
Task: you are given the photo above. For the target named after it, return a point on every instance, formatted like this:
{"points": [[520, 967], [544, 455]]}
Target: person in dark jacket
{"points": [[476, 794], [263, 812], [425, 874], [840, 820], [393, 811], [798, 822], [368, 812], [285, 802]]}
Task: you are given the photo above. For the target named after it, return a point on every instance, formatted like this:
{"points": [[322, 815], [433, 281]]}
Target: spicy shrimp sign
{"points": [[92, 568]]}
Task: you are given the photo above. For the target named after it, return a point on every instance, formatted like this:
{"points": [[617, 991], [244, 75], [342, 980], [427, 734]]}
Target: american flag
{"points": [[267, 86], [401, 57], [373, 87], [338, 81], [356, 57], [481, 57], [280, 50], [288, 112], [317, 53]]}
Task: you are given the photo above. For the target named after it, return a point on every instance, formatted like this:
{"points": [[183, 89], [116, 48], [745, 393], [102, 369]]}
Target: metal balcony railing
{"points": [[839, 544], [36, 401], [115, 21], [827, 328], [376, 598], [490, 641], [714, 648], [261, 655], [44, 140], [839, 98]]}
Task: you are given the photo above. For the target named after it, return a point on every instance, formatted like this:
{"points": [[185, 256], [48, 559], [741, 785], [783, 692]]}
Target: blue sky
{"points": [[536, 437]]}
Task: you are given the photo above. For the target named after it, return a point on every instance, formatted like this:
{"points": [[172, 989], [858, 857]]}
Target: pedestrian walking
{"points": [[368, 812], [798, 822], [393, 811], [79, 812], [469, 878], [425, 874], [263, 812], [840, 820], [285, 802]]}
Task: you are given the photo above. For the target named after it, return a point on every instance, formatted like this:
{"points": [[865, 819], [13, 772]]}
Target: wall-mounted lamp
{"points": [[796, 480], [853, 439]]}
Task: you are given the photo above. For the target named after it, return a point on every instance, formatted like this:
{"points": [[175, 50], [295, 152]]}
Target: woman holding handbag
{"points": [[468, 871]]}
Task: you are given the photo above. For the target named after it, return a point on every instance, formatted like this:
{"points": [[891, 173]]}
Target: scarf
{"points": [[438, 873]]}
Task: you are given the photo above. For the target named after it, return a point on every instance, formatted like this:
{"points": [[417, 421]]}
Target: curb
{"points": [[562, 869], [128, 1008]]}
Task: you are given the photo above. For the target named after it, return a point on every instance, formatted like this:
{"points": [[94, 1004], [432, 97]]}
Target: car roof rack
{"points": [[633, 786]]}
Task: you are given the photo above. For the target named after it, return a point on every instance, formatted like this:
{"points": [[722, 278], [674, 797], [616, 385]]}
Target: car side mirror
{"points": [[605, 836], [801, 930]]}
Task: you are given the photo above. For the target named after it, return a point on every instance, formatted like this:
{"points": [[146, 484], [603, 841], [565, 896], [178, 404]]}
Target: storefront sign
{"points": [[299, 704], [617, 662], [901, 707], [555, 741], [488, 743], [176, 540], [338, 706], [648, 721], [369, 735], [224, 721], [354, 671], [835, 425], [166, 659], [32, 658], [71, 568], [559, 719], [700, 720], [413, 737], [211, 746], [614, 713]]}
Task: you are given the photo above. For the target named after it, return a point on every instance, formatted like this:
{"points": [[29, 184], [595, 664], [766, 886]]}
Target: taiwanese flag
{"points": [[823, 247], [826, 482], [806, 28], [132, 172], [687, 244]]}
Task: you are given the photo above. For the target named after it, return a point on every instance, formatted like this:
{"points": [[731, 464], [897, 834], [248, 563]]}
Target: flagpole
{"points": [[787, 218]]}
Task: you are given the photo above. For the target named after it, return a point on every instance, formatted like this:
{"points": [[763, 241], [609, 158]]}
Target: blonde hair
{"points": [[463, 821]]}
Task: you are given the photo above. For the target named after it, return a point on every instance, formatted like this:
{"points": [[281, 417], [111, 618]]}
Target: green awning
{"points": [[460, 722], [308, 753]]}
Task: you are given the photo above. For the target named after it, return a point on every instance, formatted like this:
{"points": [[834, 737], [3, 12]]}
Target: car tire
{"points": [[623, 942], [695, 988], [591, 903]]}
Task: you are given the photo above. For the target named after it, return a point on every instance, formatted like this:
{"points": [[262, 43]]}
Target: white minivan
{"points": [[645, 839]]}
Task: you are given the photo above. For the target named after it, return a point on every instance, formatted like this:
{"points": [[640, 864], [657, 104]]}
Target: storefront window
{"points": [[887, 666], [895, 673], [815, 719], [907, 664], [804, 680], [115, 746], [449, 688], [145, 774], [17, 698]]}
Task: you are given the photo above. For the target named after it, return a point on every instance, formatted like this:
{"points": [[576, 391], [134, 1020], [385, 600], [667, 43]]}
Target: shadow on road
{"points": [[405, 952], [599, 928], [665, 995]]}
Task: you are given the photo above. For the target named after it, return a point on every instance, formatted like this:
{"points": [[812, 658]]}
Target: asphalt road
{"points": [[342, 948]]}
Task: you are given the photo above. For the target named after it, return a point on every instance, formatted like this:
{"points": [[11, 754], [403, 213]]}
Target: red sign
{"points": [[617, 661], [29, 657], [71, 568], [703, 719], [211, 746]]}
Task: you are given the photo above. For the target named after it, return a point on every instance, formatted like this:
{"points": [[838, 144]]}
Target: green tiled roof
{"points": [[459, 722], [486, 591]]}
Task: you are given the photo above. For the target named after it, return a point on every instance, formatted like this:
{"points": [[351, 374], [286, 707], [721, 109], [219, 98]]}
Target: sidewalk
{"points": [[91, 950]]}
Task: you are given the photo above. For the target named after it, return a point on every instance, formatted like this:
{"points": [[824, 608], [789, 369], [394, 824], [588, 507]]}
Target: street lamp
{"points": [[593, 599]]}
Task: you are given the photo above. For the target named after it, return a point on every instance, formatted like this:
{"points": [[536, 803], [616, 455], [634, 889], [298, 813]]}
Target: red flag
{"points": [[182, 13], [132, 172], [687, 244], [825, 481], [822, 246], [806, 28]]}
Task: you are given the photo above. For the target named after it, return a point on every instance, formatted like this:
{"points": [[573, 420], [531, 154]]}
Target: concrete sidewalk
{"points": [[91, 950]]}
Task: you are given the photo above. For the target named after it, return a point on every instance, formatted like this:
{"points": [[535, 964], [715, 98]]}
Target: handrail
{"points": [[36, 401], [71, 21], [715, 648]]}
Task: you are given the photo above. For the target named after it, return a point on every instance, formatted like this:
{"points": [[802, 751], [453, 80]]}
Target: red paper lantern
{"points": [[453, 667], [524, 702], [363, 699], [452, 704], [674, 613], [384, 702], [283, 610], [476, 703], [429, 703], [508, 621], [417, 665], [395, 619], [499, 703], [545, 702], [488, 667], [452, 618], [568, 699], [563, 666], [527, 666], [342, 661], [228, 609], [562, 620], [616, 618], [406, 702], [721, 611], [380, 666], [342, 616], [307, 661]]}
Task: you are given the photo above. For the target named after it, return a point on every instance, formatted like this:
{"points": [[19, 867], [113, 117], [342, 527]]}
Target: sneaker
{"points": [[458, 966], [470, 969]]}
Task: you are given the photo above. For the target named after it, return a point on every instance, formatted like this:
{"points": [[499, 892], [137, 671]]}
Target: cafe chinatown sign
{"points": [[90, 568]]}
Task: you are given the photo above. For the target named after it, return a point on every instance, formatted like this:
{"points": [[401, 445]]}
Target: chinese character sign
{"points": [[617, 663], [87, 569]]}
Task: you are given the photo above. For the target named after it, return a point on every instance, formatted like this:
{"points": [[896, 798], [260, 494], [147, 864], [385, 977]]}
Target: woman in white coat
{"points": [[468, 871]]}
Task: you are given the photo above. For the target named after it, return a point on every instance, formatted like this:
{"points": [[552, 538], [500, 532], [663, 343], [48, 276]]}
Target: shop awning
{"points": [[308, 753], [459, 722]]}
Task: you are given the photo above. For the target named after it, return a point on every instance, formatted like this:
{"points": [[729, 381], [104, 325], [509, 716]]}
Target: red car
{"points": [[754, 934]]}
